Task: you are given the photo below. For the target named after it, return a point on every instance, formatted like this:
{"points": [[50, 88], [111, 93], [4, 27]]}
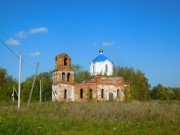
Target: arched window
{"points": [[65, 94], [90, 94], [102, 93], [63, 77], [81, 93], [68, 77], [118, 93], [110, 96], [65, 61]]}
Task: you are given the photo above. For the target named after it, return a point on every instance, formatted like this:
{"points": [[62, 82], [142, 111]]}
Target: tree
{"points": [[139, 87], [80, 74], [6, 85], [46, 79], [165, 93]]}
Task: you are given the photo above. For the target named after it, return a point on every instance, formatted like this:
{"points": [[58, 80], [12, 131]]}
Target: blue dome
{"points": [[101, 57]]}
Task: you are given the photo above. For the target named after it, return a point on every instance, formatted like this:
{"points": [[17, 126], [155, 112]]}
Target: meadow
{"points": [[91, 118]]}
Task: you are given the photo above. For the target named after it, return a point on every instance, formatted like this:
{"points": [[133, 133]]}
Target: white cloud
{"points": [[107, 43], [37, 53], [12, 41], [38, 30], [21, 34]]}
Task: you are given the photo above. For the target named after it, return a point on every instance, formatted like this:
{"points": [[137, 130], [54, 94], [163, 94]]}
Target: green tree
{"points": [[159, 92], [46, 80], [139, 87], [80, 74], [165, 93], [6, 85]]}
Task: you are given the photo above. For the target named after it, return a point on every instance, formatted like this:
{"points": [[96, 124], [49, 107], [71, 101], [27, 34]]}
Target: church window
{"points": [[65, 61], [65, 94], [118, 95], [68, 77], [110, 96], [90, 95], [81, 93], [63, 77], [102, 93]]}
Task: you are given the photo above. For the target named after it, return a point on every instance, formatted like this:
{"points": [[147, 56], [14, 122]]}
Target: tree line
{"points": [[7, 83], [137, 88]]}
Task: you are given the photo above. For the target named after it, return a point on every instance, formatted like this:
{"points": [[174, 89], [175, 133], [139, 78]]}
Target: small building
{"points": [[101, 86]]}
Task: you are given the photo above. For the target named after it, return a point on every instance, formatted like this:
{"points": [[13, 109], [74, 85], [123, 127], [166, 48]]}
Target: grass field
{"points": [[92, 118]]}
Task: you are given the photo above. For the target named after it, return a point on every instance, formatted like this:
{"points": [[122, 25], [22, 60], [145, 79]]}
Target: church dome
{"points": [[100, 57]]}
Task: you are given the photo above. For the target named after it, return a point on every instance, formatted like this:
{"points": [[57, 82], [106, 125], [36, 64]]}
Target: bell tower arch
{"points": [[63, 72]]}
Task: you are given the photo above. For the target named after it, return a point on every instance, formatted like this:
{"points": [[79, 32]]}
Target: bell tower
{"points": [[63, 72]]}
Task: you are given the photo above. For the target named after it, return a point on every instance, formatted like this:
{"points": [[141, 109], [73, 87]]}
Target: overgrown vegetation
{"points": [[7, 82], [139, 86], [46, 80], [165, 93], [80, 74], [155, 117], [6, 85]]}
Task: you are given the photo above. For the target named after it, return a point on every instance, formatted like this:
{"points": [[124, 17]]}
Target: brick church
{"points": [[101, 86]]}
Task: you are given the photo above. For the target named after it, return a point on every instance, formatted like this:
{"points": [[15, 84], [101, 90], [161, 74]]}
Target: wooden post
{"points": [[40, 93], [33, 85]]}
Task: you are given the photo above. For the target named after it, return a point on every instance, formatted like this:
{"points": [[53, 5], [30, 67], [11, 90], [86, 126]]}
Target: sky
{"points": [[143, 34]]}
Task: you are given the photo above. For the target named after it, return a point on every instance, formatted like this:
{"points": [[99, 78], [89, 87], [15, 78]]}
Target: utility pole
{"points": [[19, 86], [33, 85], [40, 93]]}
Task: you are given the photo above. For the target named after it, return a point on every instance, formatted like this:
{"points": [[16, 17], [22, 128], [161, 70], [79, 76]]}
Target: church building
{"points": [[101, 86]]}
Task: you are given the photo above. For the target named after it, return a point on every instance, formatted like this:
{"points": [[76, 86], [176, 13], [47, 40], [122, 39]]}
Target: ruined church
{"points": [[101, 86]]}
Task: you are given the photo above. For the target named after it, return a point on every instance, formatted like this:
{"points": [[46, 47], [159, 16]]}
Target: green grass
{"points": [[93, 118]]}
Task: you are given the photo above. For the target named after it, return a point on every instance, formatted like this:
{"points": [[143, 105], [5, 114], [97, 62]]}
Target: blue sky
{"points": [[141, 34]]}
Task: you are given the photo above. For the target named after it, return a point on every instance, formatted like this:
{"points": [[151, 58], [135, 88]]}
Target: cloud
{"points": [[107, 43], [37, 53], [21, 34], [12, 41], [38, 30], [178, 81]]}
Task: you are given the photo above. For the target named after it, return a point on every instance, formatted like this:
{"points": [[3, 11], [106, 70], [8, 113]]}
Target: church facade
{"points": [[101, 86]]}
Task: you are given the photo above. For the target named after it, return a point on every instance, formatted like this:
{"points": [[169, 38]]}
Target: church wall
{"points": [[110, 89], [100, 68], [58, 93], [55, 92], [86, 87], [116, 81]]}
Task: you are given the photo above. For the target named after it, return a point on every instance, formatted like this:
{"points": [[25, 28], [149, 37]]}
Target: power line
{"points": [[9, 49], [15, 53]]}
